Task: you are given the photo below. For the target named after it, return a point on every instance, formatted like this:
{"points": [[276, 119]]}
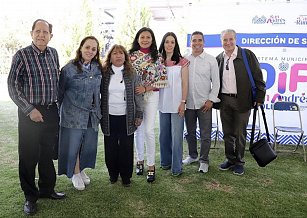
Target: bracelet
{"points": [[183, 101]]}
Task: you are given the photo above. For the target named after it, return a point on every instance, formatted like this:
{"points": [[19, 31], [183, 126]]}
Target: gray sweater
{"points": [[134, 102]]}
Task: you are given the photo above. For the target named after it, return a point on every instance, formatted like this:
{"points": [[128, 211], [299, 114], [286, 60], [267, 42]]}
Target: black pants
{"points": [[35, 147], [119, 149]]}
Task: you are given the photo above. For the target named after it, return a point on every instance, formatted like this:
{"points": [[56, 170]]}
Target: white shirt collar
{"points": [[233, 55], [117, 69]]}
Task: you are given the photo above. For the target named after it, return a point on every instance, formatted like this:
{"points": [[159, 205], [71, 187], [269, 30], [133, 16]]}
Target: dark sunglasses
{"points": [[227, 64]]}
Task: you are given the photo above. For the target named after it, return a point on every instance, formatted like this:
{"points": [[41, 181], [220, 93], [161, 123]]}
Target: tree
{"points": [[10, 42], [75, 31], [132, 16]]}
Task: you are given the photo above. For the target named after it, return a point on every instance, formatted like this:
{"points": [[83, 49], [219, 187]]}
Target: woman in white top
{"points": [[148, 65], [172, 104], [122, 113]]}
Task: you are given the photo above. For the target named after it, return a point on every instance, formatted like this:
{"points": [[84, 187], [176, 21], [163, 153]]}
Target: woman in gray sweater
{"points": [[122, 113]]}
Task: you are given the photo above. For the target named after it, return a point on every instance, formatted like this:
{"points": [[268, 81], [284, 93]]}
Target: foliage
{"points": [[80, 27], [132, 16], [10, 43], [68, 30]]}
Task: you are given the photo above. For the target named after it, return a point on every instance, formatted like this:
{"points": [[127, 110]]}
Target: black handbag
{"points": [[262, 150]]}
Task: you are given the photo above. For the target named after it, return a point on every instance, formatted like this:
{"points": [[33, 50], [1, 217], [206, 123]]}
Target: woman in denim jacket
{"points": [[122, 113], [79, 100]]}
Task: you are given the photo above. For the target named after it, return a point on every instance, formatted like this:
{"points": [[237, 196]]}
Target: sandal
{"points": [[151, 175], [139, 169]]}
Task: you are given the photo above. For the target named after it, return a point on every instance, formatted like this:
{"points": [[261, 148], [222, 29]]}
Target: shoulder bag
{"points": [[249, 74], [261, 150]]}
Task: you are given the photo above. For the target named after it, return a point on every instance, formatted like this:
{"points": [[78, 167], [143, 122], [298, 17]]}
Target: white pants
{"points": [[145, 133]]}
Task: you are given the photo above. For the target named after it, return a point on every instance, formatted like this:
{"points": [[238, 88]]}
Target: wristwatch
{"points": [[184, 101]]}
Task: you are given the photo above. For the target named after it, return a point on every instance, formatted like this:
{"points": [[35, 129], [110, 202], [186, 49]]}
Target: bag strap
{"points": [[249, 73], [254, 123]]}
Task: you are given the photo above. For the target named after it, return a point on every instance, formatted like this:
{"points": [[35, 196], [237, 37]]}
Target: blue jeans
{"points": [[171, 137]]}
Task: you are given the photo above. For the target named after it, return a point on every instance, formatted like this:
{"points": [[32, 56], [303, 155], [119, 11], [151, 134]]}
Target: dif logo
{"points": [[298, 74]]}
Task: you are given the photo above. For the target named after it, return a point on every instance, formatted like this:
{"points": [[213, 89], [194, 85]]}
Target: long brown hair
{"points": [[127, 64], [78, 57], [176, 53]]}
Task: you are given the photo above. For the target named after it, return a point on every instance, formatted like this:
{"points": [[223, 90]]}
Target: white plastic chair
{"points": [[288, 112]]}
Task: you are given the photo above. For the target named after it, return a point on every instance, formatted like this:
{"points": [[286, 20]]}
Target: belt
{"points": [[230, 95], [47, 106]]}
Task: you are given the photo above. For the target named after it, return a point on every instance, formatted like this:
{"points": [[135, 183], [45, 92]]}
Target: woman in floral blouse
{"points": [[148, 64]]}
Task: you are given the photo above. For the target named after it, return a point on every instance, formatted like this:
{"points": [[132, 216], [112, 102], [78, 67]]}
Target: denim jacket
{"points": [[79, 96]]}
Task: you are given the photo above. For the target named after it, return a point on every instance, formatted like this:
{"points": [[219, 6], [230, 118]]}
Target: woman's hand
{"points": [[181, 109], [140, 89], [138, 121]]}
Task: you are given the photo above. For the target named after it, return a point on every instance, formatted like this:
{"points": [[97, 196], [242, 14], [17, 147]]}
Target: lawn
{"points": [[278, 190]]}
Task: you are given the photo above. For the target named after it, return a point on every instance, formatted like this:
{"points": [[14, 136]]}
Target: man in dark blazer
{"points": [[236, 98]]}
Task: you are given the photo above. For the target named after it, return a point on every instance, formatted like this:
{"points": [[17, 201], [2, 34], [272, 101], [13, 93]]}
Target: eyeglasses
{"points": [[227, 64]]}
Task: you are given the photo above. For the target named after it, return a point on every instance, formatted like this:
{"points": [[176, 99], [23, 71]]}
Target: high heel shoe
{"points": [[139, 169], [151, 175]]}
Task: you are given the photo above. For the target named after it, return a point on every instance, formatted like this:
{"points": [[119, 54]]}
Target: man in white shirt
{"points": [[204, 84]]}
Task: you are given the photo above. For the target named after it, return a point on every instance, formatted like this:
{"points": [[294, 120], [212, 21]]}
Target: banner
{"points": [[277, 34]]}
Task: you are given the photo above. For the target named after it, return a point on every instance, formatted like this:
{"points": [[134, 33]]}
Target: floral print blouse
{"points": [[151, 73]]}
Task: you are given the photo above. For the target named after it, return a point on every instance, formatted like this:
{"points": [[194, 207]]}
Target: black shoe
{"points": [[151, 175], [126, 182], [139, 169], [238, 170], [113, 180], [30, 208], [226, 166], [53, 196], [166, 167]]}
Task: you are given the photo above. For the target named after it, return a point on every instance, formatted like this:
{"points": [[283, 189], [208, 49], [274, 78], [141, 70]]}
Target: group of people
{"points": [[123, 94]]}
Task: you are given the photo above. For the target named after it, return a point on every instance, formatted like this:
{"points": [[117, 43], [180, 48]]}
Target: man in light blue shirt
{"points": [[204, 85]]}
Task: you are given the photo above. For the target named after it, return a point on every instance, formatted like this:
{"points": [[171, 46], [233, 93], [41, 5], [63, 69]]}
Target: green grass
{"points": [[278, 190]]}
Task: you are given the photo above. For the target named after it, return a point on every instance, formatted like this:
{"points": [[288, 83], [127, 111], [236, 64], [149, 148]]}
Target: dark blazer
{"points": [[244, 88]]}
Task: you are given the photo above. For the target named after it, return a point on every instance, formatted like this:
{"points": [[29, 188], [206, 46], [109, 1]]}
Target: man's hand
{"points": [[36, 116], [207, 106], [257, 104]]}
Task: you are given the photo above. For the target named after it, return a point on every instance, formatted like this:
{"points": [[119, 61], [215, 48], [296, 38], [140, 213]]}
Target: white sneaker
{"points": [[203, 168], [85, 178], [78, 182], [189, 160]]}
